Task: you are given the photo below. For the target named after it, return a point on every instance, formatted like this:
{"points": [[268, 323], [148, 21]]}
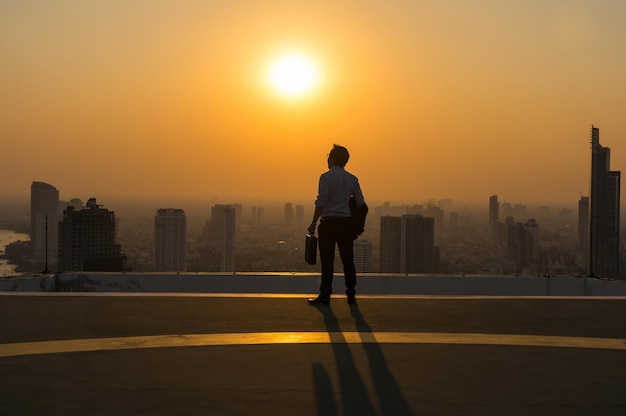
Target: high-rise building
{"points": [[523, 244], [390, 243], [583, 228], [170, 240], [44, 220], [494, 207], [362, 256], [238, 211], [87, 240], [221, 232], [228, 246], [288, 213], [436, 213], [299, 214], [407, 245], [517, 211], [506, 210], [604, 206]]}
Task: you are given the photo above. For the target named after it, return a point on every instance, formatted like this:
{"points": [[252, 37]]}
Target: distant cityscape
{"points": [[436, 237]]}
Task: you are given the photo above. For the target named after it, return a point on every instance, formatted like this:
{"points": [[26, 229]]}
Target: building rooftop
{"points": [[231, 354]]}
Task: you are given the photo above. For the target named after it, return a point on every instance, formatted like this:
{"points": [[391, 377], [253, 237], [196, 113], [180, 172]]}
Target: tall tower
{"points": [[228, 247], [390, 243], [583, 228], [87, 240], [407, 245], [299, 214], [494, 207], [221, 235], [604, 205], [170, 240], [288, 213], [436, 213], [44, 212], [362, 256], [523, 244]]}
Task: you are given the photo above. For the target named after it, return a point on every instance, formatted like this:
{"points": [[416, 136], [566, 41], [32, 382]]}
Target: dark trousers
{"points": [[332, 232]]}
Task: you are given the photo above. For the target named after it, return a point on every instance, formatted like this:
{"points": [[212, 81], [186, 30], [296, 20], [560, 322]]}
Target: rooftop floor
{"points": [[274, 354]]}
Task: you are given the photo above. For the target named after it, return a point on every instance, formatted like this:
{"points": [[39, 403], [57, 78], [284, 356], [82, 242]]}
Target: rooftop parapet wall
{"points": [[302, 283]]}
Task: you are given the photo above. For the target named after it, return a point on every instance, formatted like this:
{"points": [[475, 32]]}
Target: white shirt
{"points": [[335, 189]]}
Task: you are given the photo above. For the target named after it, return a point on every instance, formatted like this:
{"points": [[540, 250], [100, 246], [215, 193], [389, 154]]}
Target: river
{"points": [[7, 237]]}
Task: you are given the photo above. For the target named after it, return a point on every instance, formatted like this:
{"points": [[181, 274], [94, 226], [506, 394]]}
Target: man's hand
{"points": [[316, 216]]}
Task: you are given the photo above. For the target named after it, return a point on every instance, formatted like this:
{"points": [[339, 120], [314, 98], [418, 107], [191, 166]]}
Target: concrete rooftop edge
{"points": [[308, 283]]}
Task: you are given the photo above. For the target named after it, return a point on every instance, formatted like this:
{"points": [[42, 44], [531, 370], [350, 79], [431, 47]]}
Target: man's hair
{"points": [[340, 155]]}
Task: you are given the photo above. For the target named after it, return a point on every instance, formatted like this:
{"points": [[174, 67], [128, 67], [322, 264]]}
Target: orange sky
{"points": [[434, 99]]}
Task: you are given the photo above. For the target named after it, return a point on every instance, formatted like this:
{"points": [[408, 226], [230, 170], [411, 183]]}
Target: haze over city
{"points": [[447, 99]]}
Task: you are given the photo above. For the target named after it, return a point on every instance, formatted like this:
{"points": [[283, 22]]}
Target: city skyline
{"points": [[444, 100], [201, 208], [273, 242]]}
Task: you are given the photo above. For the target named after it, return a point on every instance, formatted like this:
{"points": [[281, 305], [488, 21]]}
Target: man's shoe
{"points": [[319, 301], [351, 300]]}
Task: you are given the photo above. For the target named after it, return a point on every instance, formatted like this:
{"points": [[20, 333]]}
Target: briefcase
{"points": [[310, 249]]}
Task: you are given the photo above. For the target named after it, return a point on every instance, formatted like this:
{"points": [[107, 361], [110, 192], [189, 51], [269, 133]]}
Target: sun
{"points": [[293, 75]]}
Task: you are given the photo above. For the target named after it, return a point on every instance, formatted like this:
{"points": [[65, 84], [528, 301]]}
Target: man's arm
{"points": [[316, 216], [358, 194], [320, 202]]}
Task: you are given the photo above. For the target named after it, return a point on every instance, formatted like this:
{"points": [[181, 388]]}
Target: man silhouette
{"points": [[332, 208]]}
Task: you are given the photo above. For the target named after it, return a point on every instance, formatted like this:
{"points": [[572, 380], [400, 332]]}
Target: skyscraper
{"points": [[170, 240], [299, 214], [407, 245], [604, 206], [221, 237], [583, 228], [362, 256], [87, 240], [228, 246], [494, 207], [44, 213], [288, 213], [523, 244], [390, 243], [436, 213]]}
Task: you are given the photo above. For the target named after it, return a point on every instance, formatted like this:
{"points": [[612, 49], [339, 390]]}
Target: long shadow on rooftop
{"points": [[324, 396], [354, 395], [390, 397]]}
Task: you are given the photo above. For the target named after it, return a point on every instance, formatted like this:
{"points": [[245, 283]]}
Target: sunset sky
{"points": [[434, 99]]}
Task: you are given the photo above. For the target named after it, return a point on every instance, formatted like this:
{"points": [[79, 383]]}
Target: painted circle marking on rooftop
{"points": [[274, 338]]}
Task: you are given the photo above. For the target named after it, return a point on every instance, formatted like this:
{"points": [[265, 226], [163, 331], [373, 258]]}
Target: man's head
{"points": [[339, 155]]}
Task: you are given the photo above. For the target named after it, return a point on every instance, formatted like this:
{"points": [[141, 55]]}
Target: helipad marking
{"points": [[270, 338]]}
